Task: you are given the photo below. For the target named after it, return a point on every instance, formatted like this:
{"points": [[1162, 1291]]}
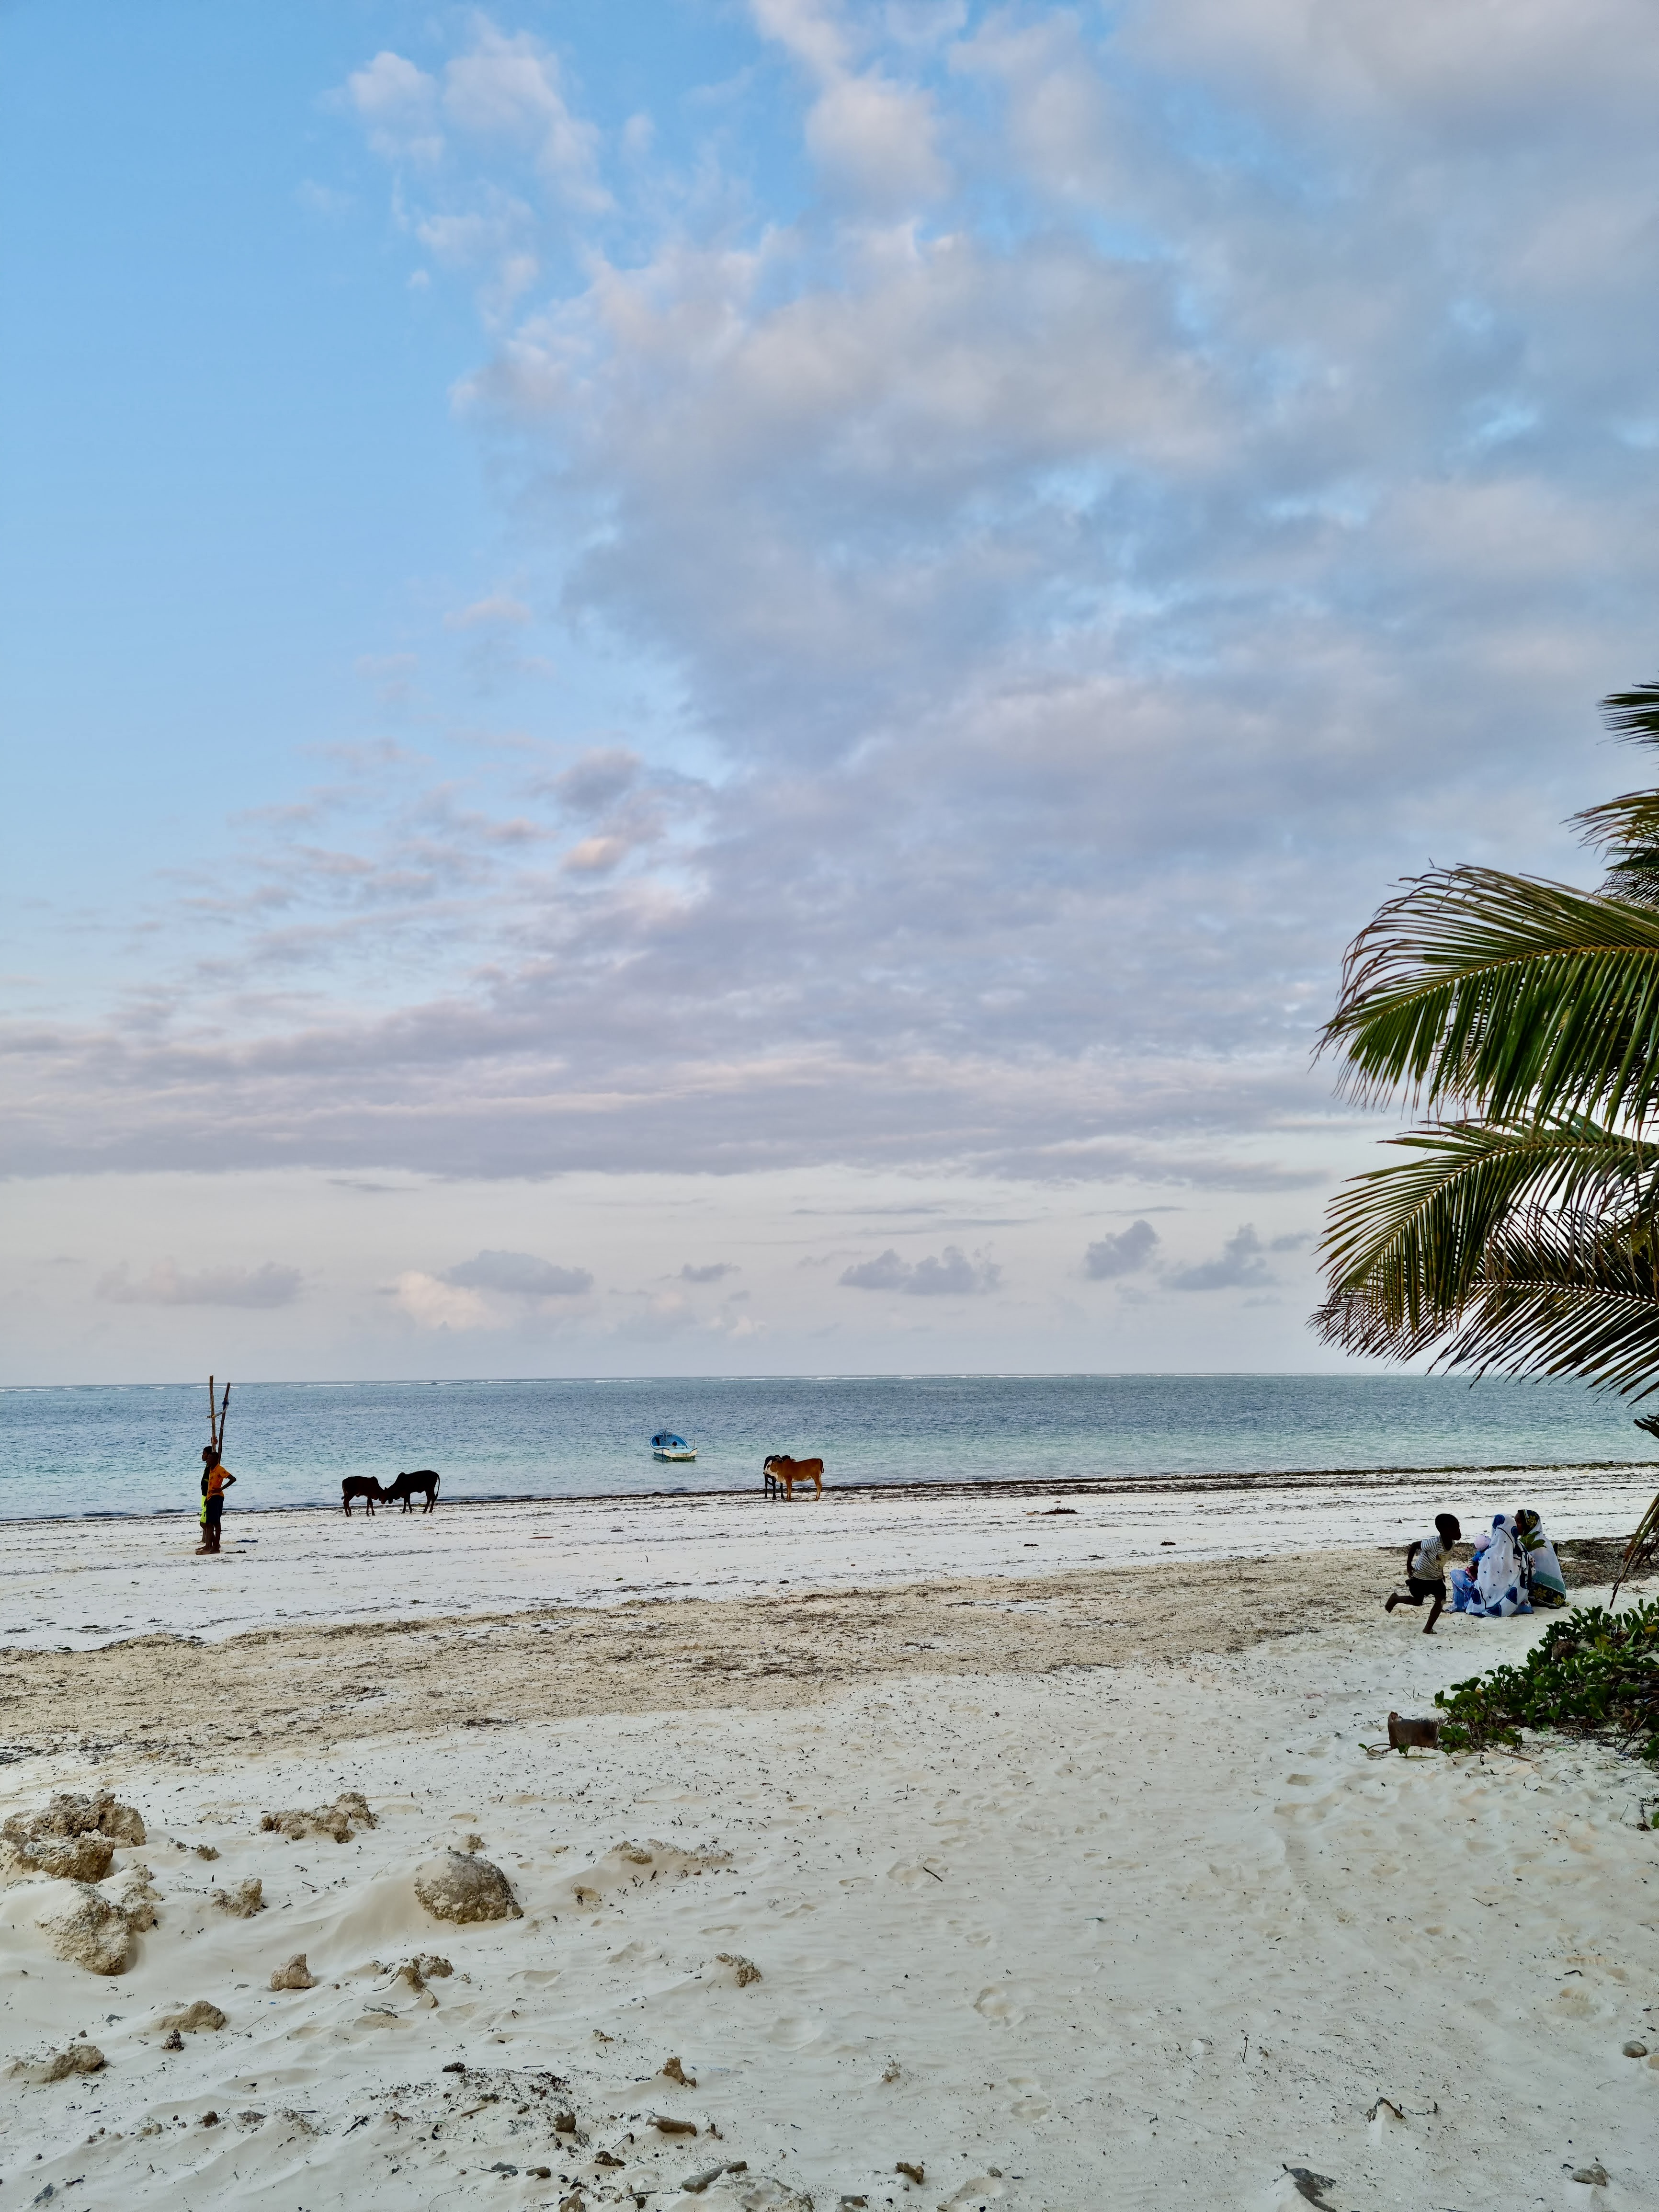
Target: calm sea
{"points": [[100, 1450]]}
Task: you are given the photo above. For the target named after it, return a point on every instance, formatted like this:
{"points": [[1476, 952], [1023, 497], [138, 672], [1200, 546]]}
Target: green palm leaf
{"points": [[1512, 995], [1417, 1237]]}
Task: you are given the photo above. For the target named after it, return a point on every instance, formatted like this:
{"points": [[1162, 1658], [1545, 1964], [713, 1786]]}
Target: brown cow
{"points": [[783, 1473], [367, 1487]]}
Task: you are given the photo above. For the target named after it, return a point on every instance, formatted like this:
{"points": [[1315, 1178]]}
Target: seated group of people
{"points": [[1514, 1568]]}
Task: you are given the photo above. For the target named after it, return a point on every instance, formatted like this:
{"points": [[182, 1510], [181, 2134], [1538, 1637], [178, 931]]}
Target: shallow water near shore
{"points": [[101, 1450]]}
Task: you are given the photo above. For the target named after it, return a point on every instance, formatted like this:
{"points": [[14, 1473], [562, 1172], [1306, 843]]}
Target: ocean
{"points": [[97, 1450]]}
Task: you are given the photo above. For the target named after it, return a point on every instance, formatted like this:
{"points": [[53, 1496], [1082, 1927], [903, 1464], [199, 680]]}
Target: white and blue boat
{"points": [[666, 1445]]}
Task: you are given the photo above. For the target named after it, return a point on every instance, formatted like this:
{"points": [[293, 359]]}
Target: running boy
{"points": [[1425, 1569]]}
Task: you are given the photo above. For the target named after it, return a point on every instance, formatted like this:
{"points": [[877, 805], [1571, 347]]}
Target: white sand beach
{"points": [[1070, 1888]]}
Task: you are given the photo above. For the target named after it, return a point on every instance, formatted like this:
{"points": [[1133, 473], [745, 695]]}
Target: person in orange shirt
{"points": [[216, 1478]]}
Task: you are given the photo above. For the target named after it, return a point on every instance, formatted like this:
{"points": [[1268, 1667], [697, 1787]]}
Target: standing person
{"points": [[1425, 1569], [216, 1478]]}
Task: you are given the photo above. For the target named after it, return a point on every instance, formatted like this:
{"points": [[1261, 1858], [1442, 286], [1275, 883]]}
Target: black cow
{"points": [[424, 1478]]}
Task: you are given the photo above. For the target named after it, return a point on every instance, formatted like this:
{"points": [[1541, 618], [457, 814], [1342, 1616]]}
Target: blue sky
{"points": [[791, 629]]}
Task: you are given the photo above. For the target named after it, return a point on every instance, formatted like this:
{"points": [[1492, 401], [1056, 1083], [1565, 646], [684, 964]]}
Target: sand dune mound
{"points": [[636, 1866]]}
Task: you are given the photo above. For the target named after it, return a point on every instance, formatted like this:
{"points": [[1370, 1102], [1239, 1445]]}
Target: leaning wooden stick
{"points": [[224, 1407], [213, 1425]]}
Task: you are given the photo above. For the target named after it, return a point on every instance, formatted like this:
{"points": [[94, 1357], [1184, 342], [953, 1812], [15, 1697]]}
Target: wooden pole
{"points": [[224, 1407], [213, 1425]]}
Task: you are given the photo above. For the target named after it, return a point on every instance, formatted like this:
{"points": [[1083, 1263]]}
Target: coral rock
{"points": [[339, 1820], [459, 1888], [78, 2058], [744, 1969], [242, 1902], [296, 1975], [191, 2019], [91, 1931]]}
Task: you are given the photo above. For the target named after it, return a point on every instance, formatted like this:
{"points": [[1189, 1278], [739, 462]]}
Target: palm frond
{"points": [[1508, 994], [1558, 1297], [1416, 1237]]}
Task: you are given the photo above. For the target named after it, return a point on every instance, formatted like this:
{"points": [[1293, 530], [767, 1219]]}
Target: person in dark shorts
{"points": [[216, 1478], [1425, 1569]]}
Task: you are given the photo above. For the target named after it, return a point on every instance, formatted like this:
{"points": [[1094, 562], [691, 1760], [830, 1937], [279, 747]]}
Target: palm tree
{"points": [[1519, 1232]]}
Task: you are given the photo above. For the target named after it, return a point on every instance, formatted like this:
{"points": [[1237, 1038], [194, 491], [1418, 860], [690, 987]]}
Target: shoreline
{"points": [[1087, 1485]]}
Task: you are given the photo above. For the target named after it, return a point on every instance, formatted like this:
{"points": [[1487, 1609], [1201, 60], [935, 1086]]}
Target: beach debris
{"points": [[173, 2042], [1405, 1735], [338, 1821], [58, 2065], [695, 2184], [666, 2123], [472, 1843], [917, 2172], [207, 1851], [635, 1866], [1310, 2185], [1385, 2104], [564, 2122], [250, 2119], [296, 1975], [744, 1970], [673, 2071], [1593, 2177], [459, 1888], [892, 2071], [1635, 2051], [242, 1902], [191, 2019], [208, 2120], [72, 1840]]}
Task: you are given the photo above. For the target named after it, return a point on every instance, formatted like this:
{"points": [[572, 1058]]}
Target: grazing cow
{"points": [[782, 1474], [424, 1478], [365, 1486]]}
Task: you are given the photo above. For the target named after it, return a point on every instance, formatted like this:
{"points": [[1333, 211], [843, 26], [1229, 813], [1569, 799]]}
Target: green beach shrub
{"points": [[1594, 1674]]}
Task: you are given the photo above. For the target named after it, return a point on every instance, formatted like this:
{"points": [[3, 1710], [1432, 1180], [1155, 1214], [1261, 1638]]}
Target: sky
{"points": [[710, 687]]}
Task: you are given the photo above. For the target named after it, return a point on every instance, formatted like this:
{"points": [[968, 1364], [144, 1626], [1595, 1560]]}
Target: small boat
{"points": [[666, 1445]]}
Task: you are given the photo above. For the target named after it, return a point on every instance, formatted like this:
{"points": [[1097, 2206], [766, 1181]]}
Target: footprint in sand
{"points": [[1006, 2003]]}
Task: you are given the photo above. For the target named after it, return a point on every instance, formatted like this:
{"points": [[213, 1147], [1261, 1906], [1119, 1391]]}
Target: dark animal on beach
{"points": [[424, 1479], [782, 1474], [365, 1486], [1403, 1733]]}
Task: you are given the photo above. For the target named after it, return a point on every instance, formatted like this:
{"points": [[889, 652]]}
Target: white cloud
{"points": [[1121, 1252], [716, 1272], [397, 103], [430, 1302], [520, 1275], [167, 1284], [500, 610], [949, 1274], [1241, 1264]]}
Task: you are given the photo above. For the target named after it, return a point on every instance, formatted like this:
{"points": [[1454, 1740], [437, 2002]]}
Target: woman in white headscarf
{"points": [[1545, 1583], [1494, 1583]]}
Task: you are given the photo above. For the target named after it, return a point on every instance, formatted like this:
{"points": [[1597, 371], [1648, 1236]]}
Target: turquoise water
{"points": [[97, 1450]]}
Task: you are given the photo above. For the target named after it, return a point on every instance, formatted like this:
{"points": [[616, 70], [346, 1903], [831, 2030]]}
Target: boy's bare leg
{"points": [[1434, 1612]]}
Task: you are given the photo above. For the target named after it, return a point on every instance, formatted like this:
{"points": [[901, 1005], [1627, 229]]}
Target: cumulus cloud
{"points": [[1242, 1263], [1121, 1252], [431, 1303], [949, 1274], [716, 1272], [1085, 565], [167, 1284], [519, 1275]]}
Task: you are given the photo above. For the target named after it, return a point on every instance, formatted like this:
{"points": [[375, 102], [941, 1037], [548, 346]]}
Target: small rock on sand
{"points": [[338, 1821], [744, 1970], [78, 2058], [242, 1902], [1593, 2177], [296, 1975], [916, 2172], [191, 2019], [459, 1888], [673, 2071], [1636, 2051], [90, 1931]]}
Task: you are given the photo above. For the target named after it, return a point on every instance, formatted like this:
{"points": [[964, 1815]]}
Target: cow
{"points": [[424, 1478], [365, 1486], [782, 1474]]}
